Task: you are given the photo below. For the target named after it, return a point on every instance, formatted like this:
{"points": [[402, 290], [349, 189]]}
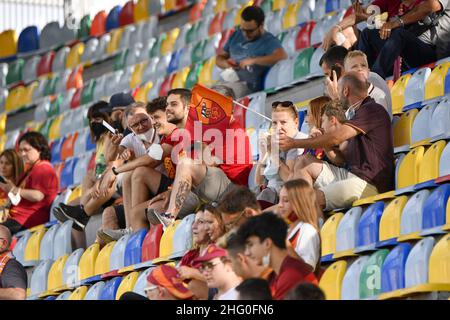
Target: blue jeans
{"points": [[400, 43]]}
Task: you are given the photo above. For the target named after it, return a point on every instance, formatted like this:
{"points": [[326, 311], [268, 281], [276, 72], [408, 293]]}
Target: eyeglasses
{"points": [[141, 123], [150, 289], [249, 31], [228, 226], [207, 266]]}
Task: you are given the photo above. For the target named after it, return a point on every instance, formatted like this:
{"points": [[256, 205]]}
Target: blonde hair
{"points": [[302, 198], [354, 54], [13, 157], [316, 107]]}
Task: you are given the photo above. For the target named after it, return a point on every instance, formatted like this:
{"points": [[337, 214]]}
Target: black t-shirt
{"points": [[13, 275], [370, 154]]}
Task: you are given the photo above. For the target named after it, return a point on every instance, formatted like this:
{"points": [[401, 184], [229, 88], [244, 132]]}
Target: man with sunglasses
{"points": [[250, 52], [13, 277]]}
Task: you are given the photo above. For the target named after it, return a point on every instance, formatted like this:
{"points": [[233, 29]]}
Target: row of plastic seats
{"points": [[381, 224], [129, 253], [411, 91], [405, 270]]}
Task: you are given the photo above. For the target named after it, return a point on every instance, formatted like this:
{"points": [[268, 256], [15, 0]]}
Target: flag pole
{"points": [[247, 108]]}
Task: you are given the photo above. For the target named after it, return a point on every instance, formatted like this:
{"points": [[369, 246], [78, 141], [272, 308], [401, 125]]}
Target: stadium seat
{"points": [[74, 56], [3, 74], [435, 84], [444, 163], [67, 149], [350, 283], [440, 120], [117, 258], [285, 75], [8, 43], [87, 262], [38, 281], [110, 289], [141, 282], [408, 173], [182, 238], [143, 92], [12, 137], [79, 293], [403, 130], [28, 40], [398, 93], [68, 34], [429, 168], [332, 5], [166, 243], [193, 76], [54, 130], [85, 27], [112, 20], [64, 296], [31, 253], [27, 95], [133, 250], [55, 274], [71, 271], [47, 243], [393, 269], [15, 69], [151, 243], [368, 227], [140, 11], [415, 89], [347, 232], [205, 74], [126, 15], [63, 240], [391, 220], [434, 210], [19, 248], [421, 128], [59, 61], [98, 26], [30, 69], [302, 64], [303, 38], [45, 65], [127, 284], [90, 51], [75, 79], [274, 22], [50, 35], [68, 173], [56, 150], [370, 278], [103, 259], [216, 23], [94, 292], [179, 79], [328, 236], [331, 280], [229, 19], [169, 5], [290, 16]]}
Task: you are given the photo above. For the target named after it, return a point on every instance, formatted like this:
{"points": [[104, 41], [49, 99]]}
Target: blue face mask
{"points": [[351, 111]]}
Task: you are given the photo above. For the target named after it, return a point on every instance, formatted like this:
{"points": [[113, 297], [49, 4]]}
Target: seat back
{"points": [[403, 128], [166, 243], [350, 282], [110, 289], [59, 61], [19, 248], [370, 277], [435, 207], [182, 238], [151, 243], [347, 230], [87, 262], [302, 63], [328, 233], [47, 243], [303, 38], [70, 271], [331, 280], [133, 250], [64, 296], [32, 252], [444, 162], [408, 172], [38, 281], [368, 228], [421, 128], [117, 258], [98, 26], [391, 218], [429, 169], [393, 270], [63, 240], [55, 274], [127, 284], [94, 292], [435, 84], [28, 40], [30, 69], [79, 293], [416, 269], [141, 282], [45, 65], [415, 89], [126, 15], [8, 43], [441, 119], [112, 20], [102, 262], [439, 267], [398, 93]]}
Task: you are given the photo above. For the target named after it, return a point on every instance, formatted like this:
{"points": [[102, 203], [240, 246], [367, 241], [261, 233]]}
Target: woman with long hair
{"points": [[314, 120], [11, 168], [32, 194], [298, 206]]}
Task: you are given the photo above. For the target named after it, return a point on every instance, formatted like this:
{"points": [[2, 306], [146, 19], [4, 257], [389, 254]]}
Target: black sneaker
{"points": [[74, 213]]}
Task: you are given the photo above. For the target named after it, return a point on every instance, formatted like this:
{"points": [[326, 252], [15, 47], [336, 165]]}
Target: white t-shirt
{"points": [[308, 243], [231, 294], [381, 94], [132, 142]]}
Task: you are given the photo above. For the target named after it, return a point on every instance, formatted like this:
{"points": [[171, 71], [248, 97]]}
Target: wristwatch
{"points": [[400, 20], [113, 169]]}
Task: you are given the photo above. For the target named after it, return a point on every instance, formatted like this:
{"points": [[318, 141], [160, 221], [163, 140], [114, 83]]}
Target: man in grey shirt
{"points": [[420, 36]]}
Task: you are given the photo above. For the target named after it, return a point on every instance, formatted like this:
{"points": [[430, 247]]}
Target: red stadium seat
{"points": [[303, 39], [68, 146], [98, 24], [59, 168], [76, 98], [196, 12], [75, 79], [216, 23], [45, 65], [225, 36], [166, 85], [126, 15], [150, 245]]}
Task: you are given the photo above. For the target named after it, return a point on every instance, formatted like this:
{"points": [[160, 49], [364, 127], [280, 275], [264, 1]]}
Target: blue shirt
{"points": [[239, 48]]}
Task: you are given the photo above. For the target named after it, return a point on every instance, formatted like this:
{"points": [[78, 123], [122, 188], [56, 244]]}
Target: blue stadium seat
{"points": [[50, 298], [411, 221], [19, 248], [28, 40], [47, 243], [90, 145], [368, 227], [70, 272], [68, 173], [347, 231], [305, 13], [332, 5], [38, 281], [63, 240], [182, 238], [56, 149], [440, 120], [95, 291], [350, 283], [174, 61], [112, 21], [81, 168], [141, 282], [416, 270], [415, 89], [64, 296], [447, 83], [393, 270], [133, 249], [319, 9], [444, 163], [117, 258], [110, 289], [434, 210]]}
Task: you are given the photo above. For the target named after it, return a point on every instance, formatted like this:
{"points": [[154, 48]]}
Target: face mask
{"points": [[118, 125], [147, 136], [271, 171], [98, 129], [351, 111]]}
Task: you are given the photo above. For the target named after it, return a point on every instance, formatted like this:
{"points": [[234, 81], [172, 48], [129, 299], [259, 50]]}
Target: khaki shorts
{"points": [[341, 187]]}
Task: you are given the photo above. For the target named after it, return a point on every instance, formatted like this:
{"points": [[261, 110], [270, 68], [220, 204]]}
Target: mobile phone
{"points": [[338, 71], [109, 127], [2, 180]]}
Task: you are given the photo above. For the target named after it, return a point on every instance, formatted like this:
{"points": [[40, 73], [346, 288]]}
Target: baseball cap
{"points": [[212, 251], [121, 99], [169, 278]]}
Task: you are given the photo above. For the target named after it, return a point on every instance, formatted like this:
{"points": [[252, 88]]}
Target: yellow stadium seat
{"points": [[221, 6], [429, 169], [331, 280], [136, 77], [143, 92], [140, 12], [76, 194], [55, 274], [170, 5], [166, 243], [74, 56], [278, 5], [8, 43], [33, 245], [169, 42], [55, 128], [15, 99], [328, 234], [435, 85], [408, 173], [127, 284], [290, 17], [113, 45], [28, 94], [398, 93], [3, 139], [3, 118], [205, 75], [86, 266], [180, 78], [391, 218], [403, 128], [102, 262], [79, 293]]}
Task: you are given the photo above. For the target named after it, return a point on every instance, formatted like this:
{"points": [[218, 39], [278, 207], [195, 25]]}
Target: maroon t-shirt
{"points": [[370, 155]]}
